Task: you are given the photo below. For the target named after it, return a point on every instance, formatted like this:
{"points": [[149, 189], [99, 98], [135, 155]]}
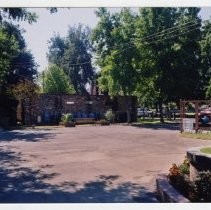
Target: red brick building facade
{"points": [[48, 108]]}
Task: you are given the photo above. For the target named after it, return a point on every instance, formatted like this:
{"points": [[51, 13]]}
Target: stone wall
{"points": [[48, 108]]}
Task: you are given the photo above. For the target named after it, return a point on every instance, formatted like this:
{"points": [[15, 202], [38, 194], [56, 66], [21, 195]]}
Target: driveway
{"points": [[87, 164]]}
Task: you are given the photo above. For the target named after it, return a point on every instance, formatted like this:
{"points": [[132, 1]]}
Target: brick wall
{"points": [[50, 107]]}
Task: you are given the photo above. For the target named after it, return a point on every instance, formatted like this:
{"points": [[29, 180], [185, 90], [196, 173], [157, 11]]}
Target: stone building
{"points": [[48, 108]]}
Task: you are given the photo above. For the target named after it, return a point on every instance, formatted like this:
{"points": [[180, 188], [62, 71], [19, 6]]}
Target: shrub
{"points": [[198, 190], [109, 115], [184, 168], [178, 177], [66, 118], [174, 174], [202, 186]]}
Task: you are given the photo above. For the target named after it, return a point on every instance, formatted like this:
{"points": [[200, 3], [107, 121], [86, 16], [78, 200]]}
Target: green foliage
{"points": [[164, 67], [52, 9], [9, 49], [150, 55], [109, 115], [180, 170], [208, 90], [73, 54], [56, 81], [202, 186], [205, 70], [185, 167], [16, 63], [66, 118], [56, 50], [110, 37], [24, 89], [17, 14], [178, 180], [206, 150], [198, 190]]}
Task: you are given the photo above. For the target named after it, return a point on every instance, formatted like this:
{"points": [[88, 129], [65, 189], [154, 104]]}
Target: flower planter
{"points": [[166, 192], [69, 124], [103, 123]]}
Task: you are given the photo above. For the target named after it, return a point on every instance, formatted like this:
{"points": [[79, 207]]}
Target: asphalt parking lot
{"points": [[87, 164]]}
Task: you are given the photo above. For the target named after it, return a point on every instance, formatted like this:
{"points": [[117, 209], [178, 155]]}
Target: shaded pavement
{"points": [[87, 164]]}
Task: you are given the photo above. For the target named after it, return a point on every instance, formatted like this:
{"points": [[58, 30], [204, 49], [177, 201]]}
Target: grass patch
{"points": [[206, 150], [150, 121], [190, 114], [40, 127], [204, 136], [155, 121]]}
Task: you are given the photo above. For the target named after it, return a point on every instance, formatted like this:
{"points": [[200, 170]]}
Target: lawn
{"points": [[204, 136], [206, 150], [153, 121]]}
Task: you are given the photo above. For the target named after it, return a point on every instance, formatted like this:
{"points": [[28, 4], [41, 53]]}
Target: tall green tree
{"points": [[116, 51], [73, 54], [205, 71], [12, 58], [156, 55], [56, 81], [170, 55], [9, 48], [17, 62], [102, 38], [187, 54], [12, 41]]}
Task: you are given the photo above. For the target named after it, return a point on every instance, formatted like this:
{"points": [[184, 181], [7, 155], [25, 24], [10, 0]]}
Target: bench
{"points": [[84, 121]]}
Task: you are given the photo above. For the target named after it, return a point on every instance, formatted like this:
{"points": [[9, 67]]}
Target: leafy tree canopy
{"points": [[115, 51], [56, 81], [73, 54], [24, 89], [17, 14], [16, 61]]}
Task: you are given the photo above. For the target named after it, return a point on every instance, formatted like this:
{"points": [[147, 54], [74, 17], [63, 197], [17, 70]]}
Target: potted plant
{"points": [[104, 122], [67, 120], [109, 116]]}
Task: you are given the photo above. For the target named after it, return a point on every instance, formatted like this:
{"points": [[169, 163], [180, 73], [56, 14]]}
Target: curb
{"points": [[167, 193]]}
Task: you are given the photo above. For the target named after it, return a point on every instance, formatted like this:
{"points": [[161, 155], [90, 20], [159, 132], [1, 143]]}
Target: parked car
{"points": [[142, 112]]}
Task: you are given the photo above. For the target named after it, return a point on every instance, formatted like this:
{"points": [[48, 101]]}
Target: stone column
{"points": [[198, 162]]}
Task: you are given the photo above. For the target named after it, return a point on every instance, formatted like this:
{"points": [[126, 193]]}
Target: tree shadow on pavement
{"points": [[29, 136], [103, 190], [26, 185]]}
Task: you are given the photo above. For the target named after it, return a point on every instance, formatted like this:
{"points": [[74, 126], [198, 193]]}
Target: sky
{"points": [[38, 34]]}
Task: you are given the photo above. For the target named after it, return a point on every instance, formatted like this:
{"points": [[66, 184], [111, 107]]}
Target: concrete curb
{"points": [[167, 193]]}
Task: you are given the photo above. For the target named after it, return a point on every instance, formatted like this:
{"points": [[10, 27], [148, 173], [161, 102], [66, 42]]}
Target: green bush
{"points": [[198, 190], [202, 186], [66, 118], [109, 115], [184, 168], [178, 179]]}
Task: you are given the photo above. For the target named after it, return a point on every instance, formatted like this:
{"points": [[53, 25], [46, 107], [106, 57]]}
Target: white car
{"points": [[142, 112]]}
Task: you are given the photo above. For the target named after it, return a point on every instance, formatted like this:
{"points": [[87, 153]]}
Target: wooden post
{"points": [[196, 116], [182, 113], [181, 116]]}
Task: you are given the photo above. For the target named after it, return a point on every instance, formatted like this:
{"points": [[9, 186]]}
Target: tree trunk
{"points": [[156, 107], [161, 111], [128, 116]]}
